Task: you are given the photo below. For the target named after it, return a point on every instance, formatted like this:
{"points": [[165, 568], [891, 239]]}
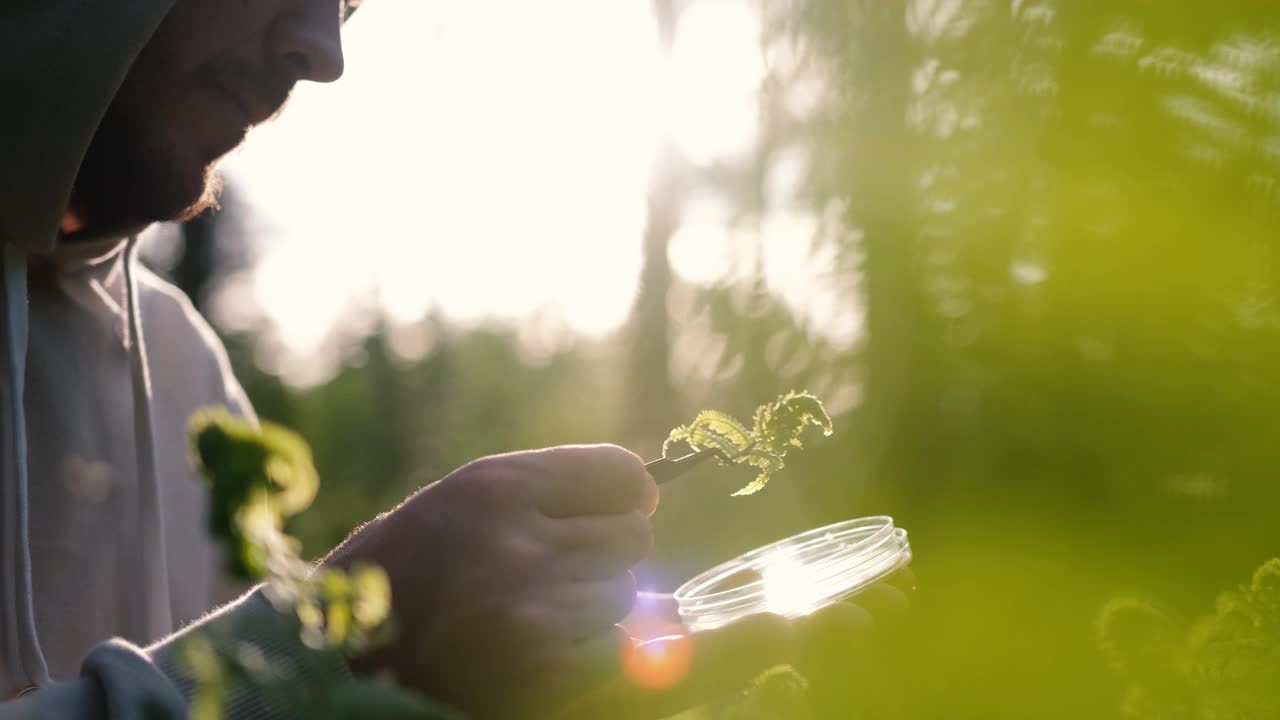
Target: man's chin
{"points": [[183, 194], [125, 211], [210, 188]]}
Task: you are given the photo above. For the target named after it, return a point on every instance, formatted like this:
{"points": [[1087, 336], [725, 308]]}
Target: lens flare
{"points": [[657, 664]]}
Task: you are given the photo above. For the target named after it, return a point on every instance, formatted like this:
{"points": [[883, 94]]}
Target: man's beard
{"points": [[129, 179], [140, 168]]}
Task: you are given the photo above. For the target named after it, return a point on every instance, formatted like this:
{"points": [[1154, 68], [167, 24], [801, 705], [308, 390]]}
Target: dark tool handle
{"points": [[667, 469]]}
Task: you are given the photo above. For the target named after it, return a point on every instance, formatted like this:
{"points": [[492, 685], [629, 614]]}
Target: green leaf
{"points": [[310, 614], [372, 604], [206, 702], [338, 622], [334, 584], [257, 476]]}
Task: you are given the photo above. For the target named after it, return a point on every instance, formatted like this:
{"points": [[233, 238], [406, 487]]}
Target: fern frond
{"points": [[776, 428], [701, 438], [782, 423], [762, 459], [724, 426], [753, 487]]}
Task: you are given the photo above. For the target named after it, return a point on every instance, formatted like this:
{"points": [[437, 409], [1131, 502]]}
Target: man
{"points": [[508, 576]]}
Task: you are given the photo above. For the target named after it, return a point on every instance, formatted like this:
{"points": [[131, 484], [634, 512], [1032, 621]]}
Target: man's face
{"points": [[213, 69]]}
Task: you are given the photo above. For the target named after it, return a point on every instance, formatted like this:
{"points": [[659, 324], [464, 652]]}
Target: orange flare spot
{"points": [[657, 664]]}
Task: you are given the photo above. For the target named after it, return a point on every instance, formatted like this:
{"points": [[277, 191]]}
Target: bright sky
{"points": [[490, 159]]}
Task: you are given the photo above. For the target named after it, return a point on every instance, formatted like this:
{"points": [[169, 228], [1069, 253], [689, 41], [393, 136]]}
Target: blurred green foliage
{"points": [[779, 692], [1057, 222], [1224, 665], [258, 477]]}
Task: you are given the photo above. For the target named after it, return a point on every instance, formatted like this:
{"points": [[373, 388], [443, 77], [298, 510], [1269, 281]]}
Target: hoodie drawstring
{"points": [[22, 661], [22, 654], [156, 608]]}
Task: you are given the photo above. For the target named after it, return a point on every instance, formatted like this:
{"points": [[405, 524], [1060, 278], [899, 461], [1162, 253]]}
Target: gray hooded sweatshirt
{"points": [[102, 530]]}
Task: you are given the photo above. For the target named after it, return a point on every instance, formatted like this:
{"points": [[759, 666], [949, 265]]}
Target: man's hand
{"points": [[509, 575], [668, 669]]}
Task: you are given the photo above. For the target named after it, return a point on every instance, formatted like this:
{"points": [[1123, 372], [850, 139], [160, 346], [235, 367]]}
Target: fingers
{"points": [[667, 675], [596, 660], [664, 676], [584, 610], [649, 503], [829, 631], [576, 627], [842, 620], [577, 670], [654, 615], [904, 578], [889, 600], [731, 655], [594, 480], [884, 602], [600, 546], [852, 636]]}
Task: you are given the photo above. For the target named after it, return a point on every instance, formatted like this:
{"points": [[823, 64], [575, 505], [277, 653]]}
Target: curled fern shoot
{"points": [[776, 428]]}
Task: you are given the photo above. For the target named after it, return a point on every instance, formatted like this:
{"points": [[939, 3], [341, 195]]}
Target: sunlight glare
{"points": [[716, 71], [789, 588], [488, 159], [702, 247], [800, 270]]}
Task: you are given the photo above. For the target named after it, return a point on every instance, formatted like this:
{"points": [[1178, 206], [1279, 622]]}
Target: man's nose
{"points": [[307, 37]]}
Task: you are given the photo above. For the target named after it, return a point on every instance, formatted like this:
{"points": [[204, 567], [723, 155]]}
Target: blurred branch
{"points": [[652, 401]]}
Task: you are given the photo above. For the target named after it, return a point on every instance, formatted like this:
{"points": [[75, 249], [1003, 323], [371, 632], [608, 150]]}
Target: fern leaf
{"points": [[762, 459], [781, 424], [678, 435], [711, 430], [776, 428], [766, 462], [753, 487], [724, 426], [701, 438]]}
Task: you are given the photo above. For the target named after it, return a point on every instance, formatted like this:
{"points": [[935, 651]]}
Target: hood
{"points": [[61, 64]]}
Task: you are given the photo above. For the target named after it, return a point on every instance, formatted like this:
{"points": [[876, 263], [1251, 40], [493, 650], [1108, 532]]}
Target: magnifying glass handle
{"points": [[667, 469]]}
